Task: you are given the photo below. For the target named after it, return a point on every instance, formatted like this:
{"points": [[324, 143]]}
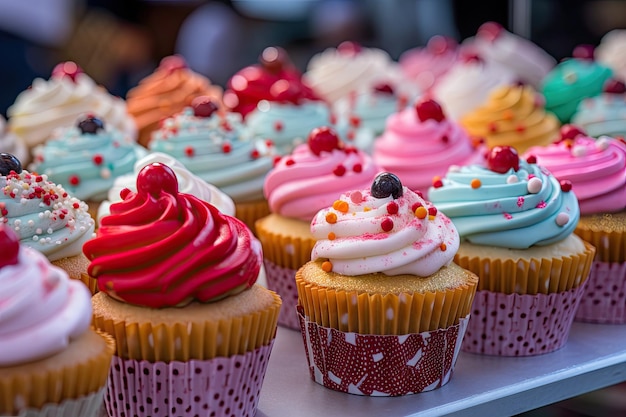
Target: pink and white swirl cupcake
{"points": [[297, 187], [420, 143], [425, 66], [596, 170]]}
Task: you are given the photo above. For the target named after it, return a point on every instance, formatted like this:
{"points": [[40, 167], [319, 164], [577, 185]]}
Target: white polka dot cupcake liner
{"points": [[604, 300], [282, 281], [521, 324], [219, 387], [381, 365], [87, 406]]}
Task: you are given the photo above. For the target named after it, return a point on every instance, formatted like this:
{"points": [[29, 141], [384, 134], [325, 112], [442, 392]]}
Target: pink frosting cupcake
{"points": [[424, 66], [420, 143]]}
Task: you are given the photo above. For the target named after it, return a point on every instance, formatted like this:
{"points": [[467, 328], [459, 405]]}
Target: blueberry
{"points": [[90, 125], [9, 163], [386, 184]]}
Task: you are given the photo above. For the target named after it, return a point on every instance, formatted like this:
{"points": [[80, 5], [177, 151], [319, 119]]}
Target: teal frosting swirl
{"points": [[220, 150], [507, 210], [602, 115], [570, 82], [86, 164]]}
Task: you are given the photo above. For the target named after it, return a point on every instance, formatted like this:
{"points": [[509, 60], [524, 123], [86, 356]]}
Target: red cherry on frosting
{"points": [[323, 138], [172, 63], [10, 244], [502, 158], [385, 88], [613, 86], [203, 106], [429, 109], [490, 31], [67, 69], [570, 132], [157, 177], [349, 48], [274, 59], [583, 51]]}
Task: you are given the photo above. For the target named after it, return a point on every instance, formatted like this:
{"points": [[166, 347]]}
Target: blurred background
{"points": [[118, 42]]}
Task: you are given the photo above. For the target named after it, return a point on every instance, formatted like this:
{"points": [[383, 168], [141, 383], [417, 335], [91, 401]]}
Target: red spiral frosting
{"points": [[162, 248]]}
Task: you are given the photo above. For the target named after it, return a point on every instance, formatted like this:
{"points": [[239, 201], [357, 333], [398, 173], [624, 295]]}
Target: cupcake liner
{"points": [[530, 276], [604, 300], [520, 324], [284, 247], [90, 282], [88, 406], [282, 281], [381, 365], [222, 386], [610, 244], [250, 212]]}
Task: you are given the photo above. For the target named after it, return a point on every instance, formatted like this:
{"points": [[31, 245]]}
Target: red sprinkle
{"points": [[189, 151], [350, 135], [415, 206], [566, 185], [97, 159], [392, 207], [355, 121], [437, 183], [432, 211], [445, 139], [278, 126], [226, 148], [73, 180], [339, 170], [76, 205], [357, 168], [289, 162], [532, 159], [269, 143], [38, 178], [386, 224], [254, 154], [520, 128], [492, 127]]}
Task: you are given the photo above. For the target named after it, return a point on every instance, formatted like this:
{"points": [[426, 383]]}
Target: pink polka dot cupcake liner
{"points": [[221, 387], [381, 365], [520, 324], [604, 300], [282, 281]]}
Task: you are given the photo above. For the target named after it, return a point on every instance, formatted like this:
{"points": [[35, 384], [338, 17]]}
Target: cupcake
{"points": [[512, 116], [420, 142], [523, 57], [217, 147], [177, 292], [11, 143], [382, 307], [44, 216], [611, 52], [570, 82], [596, 170], [86, 157], [424, 66], [276, 104], [51, 363], [516, 223], [604, 114], [59, 101], [168, 90], [468, 83], [297, 187]]}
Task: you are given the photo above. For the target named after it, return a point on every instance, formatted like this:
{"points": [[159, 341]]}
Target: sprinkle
{"points": [[277, 159], [38, 178], [357, 168], [443, 247], [105, 173], [331, 218], [269, 143], [508, 115], [350, 135], [520, 128], [289, 162], [520, 201], [602, 143], [541, 204], [432, 211], [475, 183], [341, 206], [278, 126], [356, 197], [189, 151], [254, 154], [226, 147], [339, 170], [532, 159], [437, 183], [534, 185], [333, 119], [512, 179], [97, 159], [73, 180], [392, 207], [331, 236], [355, 121], [366, 209], [415, 206], [579, 150], [562, 219], [327, 266], [445, 139], [421, 212], [507, 216], [76, 205], [566, 185], [387, 224]]}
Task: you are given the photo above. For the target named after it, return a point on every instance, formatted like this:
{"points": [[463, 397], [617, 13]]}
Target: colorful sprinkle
{"points": [[387, 224], [508, 115], [566, 185], [327, 266], [392, 207], [532, 159], [289, 162], [331, 218], [562, 219], [357, 168], [254, 154], [356, 197], [421, 212], [520, 128], [443, 246], [475, 183], [512, 179], [507, 216], [341, 206], [226, 147], [97, 159], [331, 236], [278, 126], [73, 180], [437, 183], [534, 185], [432, 211], [541, 204], [355, 121]]}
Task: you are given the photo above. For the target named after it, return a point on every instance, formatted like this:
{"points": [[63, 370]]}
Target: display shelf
{"points": [[594, 357]]}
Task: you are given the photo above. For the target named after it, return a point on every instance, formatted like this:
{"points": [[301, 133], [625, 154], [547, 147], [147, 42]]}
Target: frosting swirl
{"points": [[41, 308], [514, 116], [612, 52], [602, 115], [161, 248], [425, 66], [219, 150], [595, 168], [513, 209], [363, 234], [11, 143], [307, 180], [86, 163]]}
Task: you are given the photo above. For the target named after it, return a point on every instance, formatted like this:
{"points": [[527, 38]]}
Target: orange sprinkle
{"points": [[475, 183], [331, 236], [421, 212], [508, 115], [367, 208], [331, 218], [443, 246], [431, 217], [340, 206], [327, 266]]}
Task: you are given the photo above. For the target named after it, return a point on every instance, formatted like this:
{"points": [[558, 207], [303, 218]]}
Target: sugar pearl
{"points": [[562, 219], [579, 150], [512, 179], [602, 143], [534, 185]]}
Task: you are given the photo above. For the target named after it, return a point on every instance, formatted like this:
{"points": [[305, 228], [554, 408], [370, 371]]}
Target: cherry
{"points": [[285, 91], [386, 184], [349, 48], [172, 63], [274, 59], [323, 138], [502, 158], [570, 132], [583, 51], [439, 44], [8, 163], [90, 125], [203, 106], [157, 177], [10, 244], [67, 69], [490, 31], [383, 88], [613, 86], [429, 109]]}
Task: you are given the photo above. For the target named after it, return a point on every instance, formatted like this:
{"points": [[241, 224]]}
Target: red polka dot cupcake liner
{"points": [[520, 324], [218, 387], [604, 300], [381, 365], [282, 281]]}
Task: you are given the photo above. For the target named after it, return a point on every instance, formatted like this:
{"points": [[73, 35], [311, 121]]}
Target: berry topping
{"points": [[67, 69], [438, 44], [157, 177], [172, 63], [570, 132], [10, 244], [90, 125], [566, 185], [323, 138], [531, 159], [613, 86], [9, 163], [349, 48], [383, 88], [274, 59], [490, 31], [386, 184], [583, 51], [502, 158], [203, 106], [429, 109]]}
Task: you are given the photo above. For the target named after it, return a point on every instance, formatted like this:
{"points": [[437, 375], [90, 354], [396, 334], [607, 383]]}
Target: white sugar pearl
{"points": [[562, 219], [579, 150], [454, 168], [105, 173], [602, 143], [534, 185], [512, 179]]}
